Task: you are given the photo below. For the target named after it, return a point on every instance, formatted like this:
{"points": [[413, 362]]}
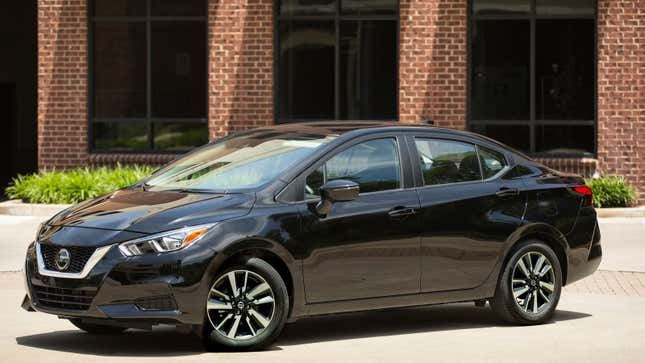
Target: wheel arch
{"points": [[544, 233], [271, 252]]}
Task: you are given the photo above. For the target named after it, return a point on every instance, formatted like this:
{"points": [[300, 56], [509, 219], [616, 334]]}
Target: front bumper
{"points": [[167, 288]]}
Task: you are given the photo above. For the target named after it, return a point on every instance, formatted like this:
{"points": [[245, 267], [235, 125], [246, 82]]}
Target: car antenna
{"points": [[428, 122]]}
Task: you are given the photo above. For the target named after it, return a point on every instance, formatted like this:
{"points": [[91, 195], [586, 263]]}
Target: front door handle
{"points": [[402, 212], [507, 192]]}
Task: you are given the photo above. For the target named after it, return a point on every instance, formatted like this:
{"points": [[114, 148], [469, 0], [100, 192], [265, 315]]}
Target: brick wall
{"points": [[62, 83], [240, 89], [432, 61], [621, 90]]}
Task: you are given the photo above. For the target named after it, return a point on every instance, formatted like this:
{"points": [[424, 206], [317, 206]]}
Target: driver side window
{"points": [[373, 164]]}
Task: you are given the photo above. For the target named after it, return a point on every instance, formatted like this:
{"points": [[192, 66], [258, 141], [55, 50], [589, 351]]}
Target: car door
{"points": [[467, 211], [368, 247]]}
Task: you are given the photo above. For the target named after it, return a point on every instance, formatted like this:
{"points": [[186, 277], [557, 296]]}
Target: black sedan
{"points": [[267, 226]]}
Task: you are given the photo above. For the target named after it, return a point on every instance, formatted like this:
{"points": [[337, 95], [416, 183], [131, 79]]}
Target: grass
{"points": [[74, 185], [612, 192]]}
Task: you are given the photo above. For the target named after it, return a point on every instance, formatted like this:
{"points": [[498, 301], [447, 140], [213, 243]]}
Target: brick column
{"points": [[432, 61], [240, 90], [621, 90], [62, 83]]}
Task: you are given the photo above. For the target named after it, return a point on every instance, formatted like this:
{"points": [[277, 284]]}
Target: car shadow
{"points": [[401, 321], [167, 342]]}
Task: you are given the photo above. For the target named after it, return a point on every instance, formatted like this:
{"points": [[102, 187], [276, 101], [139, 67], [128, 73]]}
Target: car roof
{"points": [[354, 127], [357, 128]]}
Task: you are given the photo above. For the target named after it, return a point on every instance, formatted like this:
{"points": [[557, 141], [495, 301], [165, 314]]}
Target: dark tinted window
{"points": [[564, 139], [500, 70], [178, 7], [492, 162], [516, 136], [519, 171], [178, 69], [307, 7], [368, 70], [565, 7], [564, 69], [368, 6], [532, 80], [111, 8], [446, 161], [148, 75], [337, 60], [373, 164], [306, 70], [483, 7], [120, 70]]}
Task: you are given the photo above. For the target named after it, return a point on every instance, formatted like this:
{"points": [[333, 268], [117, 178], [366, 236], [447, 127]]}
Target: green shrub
{"points": [[611, 192], [75, 185]]}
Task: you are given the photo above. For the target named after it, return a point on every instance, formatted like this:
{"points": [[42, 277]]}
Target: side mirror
{"points": [[336, 191]]}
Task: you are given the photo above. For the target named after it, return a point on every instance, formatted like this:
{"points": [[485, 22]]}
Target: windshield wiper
{"points": [[189, 190]]}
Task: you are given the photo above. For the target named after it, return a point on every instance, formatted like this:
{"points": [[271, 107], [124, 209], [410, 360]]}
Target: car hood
{"points": [[151, 212]]}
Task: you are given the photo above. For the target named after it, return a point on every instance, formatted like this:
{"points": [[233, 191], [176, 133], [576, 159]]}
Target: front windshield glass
{"points": [[245, 161]]}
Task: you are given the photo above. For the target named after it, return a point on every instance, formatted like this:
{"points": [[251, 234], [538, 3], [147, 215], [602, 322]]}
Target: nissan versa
{"points": [[267, 226]]}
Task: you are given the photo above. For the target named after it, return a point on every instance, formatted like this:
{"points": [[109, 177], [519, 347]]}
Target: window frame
{"points": [[148, 120], [323, 161], [419, 179], [337, 17], [532, 123]]}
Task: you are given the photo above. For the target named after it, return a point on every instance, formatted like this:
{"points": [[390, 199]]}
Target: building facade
{"points": [[138, 81]]}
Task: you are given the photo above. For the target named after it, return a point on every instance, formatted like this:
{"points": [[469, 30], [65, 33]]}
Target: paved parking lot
{"points": [[599, 319]]}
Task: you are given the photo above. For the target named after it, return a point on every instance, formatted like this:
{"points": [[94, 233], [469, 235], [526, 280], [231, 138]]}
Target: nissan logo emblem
{"points": [[63, 259]]}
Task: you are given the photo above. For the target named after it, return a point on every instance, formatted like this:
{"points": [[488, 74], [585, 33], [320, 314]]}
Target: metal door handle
{"points": [[507, 192], [402, 212]]}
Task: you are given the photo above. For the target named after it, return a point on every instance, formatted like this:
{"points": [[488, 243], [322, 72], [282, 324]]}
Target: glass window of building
{"points": [[532, 74], [148, 75], [336, 60]]}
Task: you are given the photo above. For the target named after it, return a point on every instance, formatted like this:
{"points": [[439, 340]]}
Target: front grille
{"points": [[57, 298], [162, 302], [78, 257]]}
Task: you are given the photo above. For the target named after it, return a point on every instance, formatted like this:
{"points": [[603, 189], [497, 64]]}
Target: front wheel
{"points": [[246, 307], [529, 287]]}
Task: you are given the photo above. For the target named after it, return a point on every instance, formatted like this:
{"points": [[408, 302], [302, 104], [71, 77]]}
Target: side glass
{"points": [[373, 164], [447, 161], [492, 162], [313, 183]]}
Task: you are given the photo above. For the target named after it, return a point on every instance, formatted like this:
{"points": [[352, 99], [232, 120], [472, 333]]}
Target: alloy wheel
{"points": [[240, 305], [533, 282]]}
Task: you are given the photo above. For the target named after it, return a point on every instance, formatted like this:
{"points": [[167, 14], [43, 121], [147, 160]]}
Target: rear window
{"points": [[447, 161]]}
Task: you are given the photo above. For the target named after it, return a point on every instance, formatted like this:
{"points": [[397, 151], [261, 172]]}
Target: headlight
{"points": [[164, 242]]}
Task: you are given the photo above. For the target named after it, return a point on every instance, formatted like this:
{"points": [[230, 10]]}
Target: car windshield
{"points": [[245, 161]]}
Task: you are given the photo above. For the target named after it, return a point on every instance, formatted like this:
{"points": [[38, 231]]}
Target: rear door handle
{"points": [[402, 212], [507, 192]]}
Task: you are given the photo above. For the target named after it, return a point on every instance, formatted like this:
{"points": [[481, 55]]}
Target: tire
{"points": [[249, 309], [97, 328], [526, 308]]}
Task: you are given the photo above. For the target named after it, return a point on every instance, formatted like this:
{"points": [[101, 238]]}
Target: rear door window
{"points": [[447, 161]]}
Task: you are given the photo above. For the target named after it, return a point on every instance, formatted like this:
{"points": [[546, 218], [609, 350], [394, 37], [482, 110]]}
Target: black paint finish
{"points": [[411, 246]]}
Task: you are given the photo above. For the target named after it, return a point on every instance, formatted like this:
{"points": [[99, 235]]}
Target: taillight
{"points": [[586, 193], [583, 189]]}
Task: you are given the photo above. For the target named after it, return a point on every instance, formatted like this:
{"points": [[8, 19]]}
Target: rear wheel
{"points": [[97, 328], [529, 287], [246, 307]]}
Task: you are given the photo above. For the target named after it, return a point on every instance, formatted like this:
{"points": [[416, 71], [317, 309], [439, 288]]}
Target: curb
{"points": [[18, 208], [636, 212]]}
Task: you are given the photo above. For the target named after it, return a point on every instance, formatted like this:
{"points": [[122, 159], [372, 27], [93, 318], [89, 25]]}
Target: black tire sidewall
{"points": [[213, 340], [504, 293]]}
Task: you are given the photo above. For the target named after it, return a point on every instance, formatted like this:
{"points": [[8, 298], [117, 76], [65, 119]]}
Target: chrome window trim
{"points": [[89, 265]]}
